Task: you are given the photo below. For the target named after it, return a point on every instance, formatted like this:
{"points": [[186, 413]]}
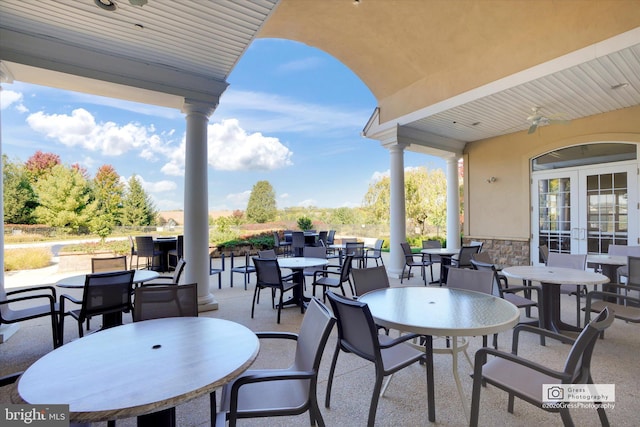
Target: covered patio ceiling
{"points": [[445, 73]]}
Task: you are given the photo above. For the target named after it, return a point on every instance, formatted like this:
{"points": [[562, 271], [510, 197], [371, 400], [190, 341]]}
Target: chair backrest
{"points": [[431, 244], [377, 248], [345, 240], [357, 332], [500, 281], [155, 302], [476, 243], [544, 253], [406, 249], [471, 280], [369, 279], [322, 236], [312, 338], [267, 253], [276, 239], [267, 272], [288, 235], [315, 252], [464, 256], [102, 265], [575, 261], [617, 250], [634, 270], [354, 248], [345, 269], [177, 273], [145, 246], [482, 257], [106, 293], [578, 362], [297, 239], [330, 237]]}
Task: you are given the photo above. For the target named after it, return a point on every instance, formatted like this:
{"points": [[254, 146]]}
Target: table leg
{"points": [[445, 263], [165, 418], [551, 310], [456, 377], [431, 400]]}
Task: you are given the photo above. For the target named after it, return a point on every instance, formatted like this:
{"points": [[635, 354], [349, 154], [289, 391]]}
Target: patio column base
{"points": [[207, 303]]}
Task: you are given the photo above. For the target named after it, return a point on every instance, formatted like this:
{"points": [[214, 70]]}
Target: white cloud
{"points": [[155, 187], [284, 196], [9, 98], [231, 148], [238, 199], [81, 130]]}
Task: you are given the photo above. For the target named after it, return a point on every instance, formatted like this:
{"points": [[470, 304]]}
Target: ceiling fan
{"points": [[537, 118]]}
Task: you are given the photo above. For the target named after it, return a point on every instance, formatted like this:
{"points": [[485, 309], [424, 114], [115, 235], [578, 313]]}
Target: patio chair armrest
{"points": [[34, 288], [277, 335], [481, 359], [271, 375], [70, 298], [538, 331], [516, 289], [10, 378], [620, 286], [323, 273], [399, 340], [612, 305], [51, 299]]}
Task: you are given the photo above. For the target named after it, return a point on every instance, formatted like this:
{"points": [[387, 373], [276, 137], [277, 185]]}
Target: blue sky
{"points": [[292, 115]]}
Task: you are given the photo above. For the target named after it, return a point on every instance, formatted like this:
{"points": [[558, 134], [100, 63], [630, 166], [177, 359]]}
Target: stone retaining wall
{"points": [[504, 252]]}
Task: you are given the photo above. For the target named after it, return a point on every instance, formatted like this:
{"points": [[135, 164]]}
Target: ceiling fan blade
{"points": [[533, 128]]}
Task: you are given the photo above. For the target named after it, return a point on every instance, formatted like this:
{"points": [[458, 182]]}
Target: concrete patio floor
{"points": [[404, 404]]}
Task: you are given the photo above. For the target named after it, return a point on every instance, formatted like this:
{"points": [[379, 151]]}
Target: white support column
{"points": [[453, 204], [196, 204], [398, 227], [6, 330]]}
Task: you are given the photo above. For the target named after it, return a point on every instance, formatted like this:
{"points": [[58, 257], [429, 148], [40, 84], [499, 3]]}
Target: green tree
{"points": [[261, 207], [343, 215], [65, 198], [137, 206], [425, 198], [108, 192], [19, 198], [377, 201]]}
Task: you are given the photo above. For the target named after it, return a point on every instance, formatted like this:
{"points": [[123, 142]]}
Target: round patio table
{"points": [[550, 279], [441, 312], [141, 369]]}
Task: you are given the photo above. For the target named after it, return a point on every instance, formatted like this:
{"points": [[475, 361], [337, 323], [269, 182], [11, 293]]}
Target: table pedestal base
{"points": [[550, 318]]}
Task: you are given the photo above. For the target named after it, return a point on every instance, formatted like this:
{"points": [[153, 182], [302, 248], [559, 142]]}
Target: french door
{"points": [[584, 210]]}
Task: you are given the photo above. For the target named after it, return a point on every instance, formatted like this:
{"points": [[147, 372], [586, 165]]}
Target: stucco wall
{"points": [[501, 210]]}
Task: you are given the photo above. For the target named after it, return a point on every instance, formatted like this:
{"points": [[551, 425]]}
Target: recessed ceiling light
{"points": [[619, 85], [109, 5]]}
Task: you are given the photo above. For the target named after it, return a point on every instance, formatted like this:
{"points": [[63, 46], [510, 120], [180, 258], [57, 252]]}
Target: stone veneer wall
{"points": [[504, 252]]}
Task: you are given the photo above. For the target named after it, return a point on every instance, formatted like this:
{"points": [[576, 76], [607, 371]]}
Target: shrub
{"points": [[26, 258], [305, 223]]}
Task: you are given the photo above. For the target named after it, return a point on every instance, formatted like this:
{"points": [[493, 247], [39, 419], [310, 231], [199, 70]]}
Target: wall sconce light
{"points": [[491, 180]]}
